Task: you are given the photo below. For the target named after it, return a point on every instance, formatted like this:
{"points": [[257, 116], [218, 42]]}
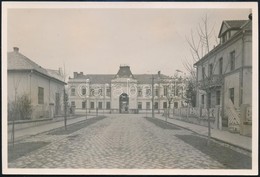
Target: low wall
{"points": [[21, 124]]}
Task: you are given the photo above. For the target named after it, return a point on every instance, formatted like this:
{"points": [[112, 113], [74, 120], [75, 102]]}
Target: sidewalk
{"points": [[34, 130], [224, 136]]}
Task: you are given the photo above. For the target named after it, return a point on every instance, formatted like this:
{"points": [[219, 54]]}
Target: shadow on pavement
{"points": [[75, 127], [226, 156], [162, 124], [21, 149]]}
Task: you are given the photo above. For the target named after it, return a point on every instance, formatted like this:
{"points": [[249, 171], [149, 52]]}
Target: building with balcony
{"points": [[224, 75], [43, 87], [123, 92]]}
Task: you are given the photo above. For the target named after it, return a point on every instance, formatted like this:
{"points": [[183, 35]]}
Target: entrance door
{"points": [[123, 103]]}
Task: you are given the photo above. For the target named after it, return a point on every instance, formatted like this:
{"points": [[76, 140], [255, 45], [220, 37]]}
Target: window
{"points": [[209, 100], [220, 65], [108, 105], [231, 94], [73, 103], [232, 60], [139, 92], [73, 92], [92, 105], [147, 105], [99, 105], [218, 97], [164, 105], [148, 92], [83, 104], [92, 92], [156, 92], [202, 99], [83, 91], [203, 72], [139, 105], [40, 95], [210, 69], [156, 105], [165, 91], [100, 92], [108, 92], [175, 104]]}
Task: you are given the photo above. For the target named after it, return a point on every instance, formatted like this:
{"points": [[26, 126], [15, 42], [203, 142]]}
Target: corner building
{"points": [[120, 93]]}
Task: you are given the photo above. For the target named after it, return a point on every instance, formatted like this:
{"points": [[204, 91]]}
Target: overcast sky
{"points": [[98, 41]]}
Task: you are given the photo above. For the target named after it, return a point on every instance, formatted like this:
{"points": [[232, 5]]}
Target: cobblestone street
{"points": [[118, 141]]}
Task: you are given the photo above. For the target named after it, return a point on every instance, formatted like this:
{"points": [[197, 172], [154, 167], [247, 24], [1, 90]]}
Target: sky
{"points": [[99, 40]]}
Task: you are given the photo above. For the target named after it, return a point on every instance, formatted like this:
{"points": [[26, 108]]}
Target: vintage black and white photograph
{"points": [[130, 88]]}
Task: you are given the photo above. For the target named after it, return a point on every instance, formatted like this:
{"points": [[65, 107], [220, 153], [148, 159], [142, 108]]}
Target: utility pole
{"points": [[152, 96]]}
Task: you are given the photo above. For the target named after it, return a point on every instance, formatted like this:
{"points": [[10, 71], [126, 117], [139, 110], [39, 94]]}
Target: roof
{"points": [[232, 24], [124, 72], [17, 61], [106, 78], [243, 25]]}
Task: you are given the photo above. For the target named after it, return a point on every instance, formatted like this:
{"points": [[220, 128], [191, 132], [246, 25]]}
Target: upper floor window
{"points": [[139, 92], [83, 91], [40, 95], [73, 103], [108, 92], [232, 60], [203, 72], [165, 91], [148, 92], [211, 69], [156, 92], [73, 92], [220, 65]]}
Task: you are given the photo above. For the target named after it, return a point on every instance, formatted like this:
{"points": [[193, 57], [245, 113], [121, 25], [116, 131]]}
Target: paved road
{"points": [[118, 141]]}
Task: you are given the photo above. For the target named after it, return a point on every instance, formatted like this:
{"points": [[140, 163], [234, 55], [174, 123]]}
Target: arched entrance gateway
{"points": [[123, 103]]}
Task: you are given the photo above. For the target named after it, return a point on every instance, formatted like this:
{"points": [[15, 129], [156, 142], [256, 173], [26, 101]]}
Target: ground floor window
{"points": [[147, 105], [175, 104], [202, 99], [83, 104], [139, 105], [164, 105], [218, 97], [92, 105], [99, 105], [156, 105], [209, 100], [108, 105], [73, 103], [231, 94]]}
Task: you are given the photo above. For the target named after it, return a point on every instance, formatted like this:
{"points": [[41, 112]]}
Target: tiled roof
{"points": [[106, 78], [17, 61], [235, 23]]}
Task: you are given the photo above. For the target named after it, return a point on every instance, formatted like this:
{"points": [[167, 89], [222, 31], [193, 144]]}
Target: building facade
{"points": [[43, 87], [224, 75], [123, 92]]}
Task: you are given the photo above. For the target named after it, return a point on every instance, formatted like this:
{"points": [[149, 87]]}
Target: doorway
{"points": [[123, 103]]}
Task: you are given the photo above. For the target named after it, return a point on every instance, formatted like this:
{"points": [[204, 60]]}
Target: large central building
{"points": [[123, 92]]}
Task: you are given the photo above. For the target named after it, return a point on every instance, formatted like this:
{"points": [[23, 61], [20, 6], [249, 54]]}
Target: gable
{"points": [[223, 29]]}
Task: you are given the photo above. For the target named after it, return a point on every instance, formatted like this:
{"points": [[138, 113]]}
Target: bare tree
{"points": [[200, 45]]}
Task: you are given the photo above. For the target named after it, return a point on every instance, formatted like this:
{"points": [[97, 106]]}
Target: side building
{"points": [[224, 75], [123, 92], [43, 87]]}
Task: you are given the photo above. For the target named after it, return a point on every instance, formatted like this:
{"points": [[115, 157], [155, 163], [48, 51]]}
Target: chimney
{"points": [[75, 74], [81, 73], [16, 49], [159, 73], [250, 16]]}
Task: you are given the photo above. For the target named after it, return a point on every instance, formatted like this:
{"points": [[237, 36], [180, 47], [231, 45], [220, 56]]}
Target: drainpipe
{"points": [[242, 70]]}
